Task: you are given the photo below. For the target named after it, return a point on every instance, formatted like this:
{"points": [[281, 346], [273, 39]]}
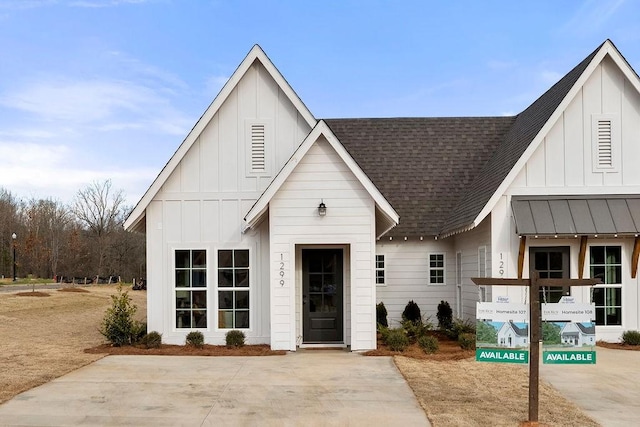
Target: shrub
{"points": [[396, 339], [384, 332], [118, 325], [631, 337], [152, 340], [467, 341], [459, 327], [381, 315], [415, 330], [235, 338], [195, 339], [428, 344], [445, 316], [412, 312]]}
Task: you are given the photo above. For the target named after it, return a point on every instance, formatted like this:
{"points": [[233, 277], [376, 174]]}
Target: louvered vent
{"points": [[605, 151], [257, 148]]}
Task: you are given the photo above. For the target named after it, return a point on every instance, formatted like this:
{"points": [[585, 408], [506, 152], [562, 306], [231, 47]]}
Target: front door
{"points": [[551, 263], [322, 295]]}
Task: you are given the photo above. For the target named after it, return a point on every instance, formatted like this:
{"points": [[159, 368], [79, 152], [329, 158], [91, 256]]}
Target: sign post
{"points": [[534, 284]]}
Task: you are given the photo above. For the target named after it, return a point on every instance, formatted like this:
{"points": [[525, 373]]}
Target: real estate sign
{"points": [[568, 333], [502, 332]]}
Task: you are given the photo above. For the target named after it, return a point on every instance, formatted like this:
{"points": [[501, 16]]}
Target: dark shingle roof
{"points": [[422, 166], [524, 130], [438, 173]]}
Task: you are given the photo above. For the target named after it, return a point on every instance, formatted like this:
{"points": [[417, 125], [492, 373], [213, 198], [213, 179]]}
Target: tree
{"points": [[550, 333], [485, 333], [98, 208]]}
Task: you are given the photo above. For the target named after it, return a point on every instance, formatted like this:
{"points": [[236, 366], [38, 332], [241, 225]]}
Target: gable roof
{"points": [[255, 54], [421, 165], [526, 134], [254, 216]]}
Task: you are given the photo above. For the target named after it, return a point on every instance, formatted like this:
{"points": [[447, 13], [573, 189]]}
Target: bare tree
{"points": [[98, 208]]}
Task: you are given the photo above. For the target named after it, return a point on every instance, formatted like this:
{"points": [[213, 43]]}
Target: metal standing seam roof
{"points": [[576, 215]]}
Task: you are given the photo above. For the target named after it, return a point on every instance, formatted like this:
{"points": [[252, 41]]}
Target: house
{"points": [[292, 228], [578, 334], [512, 335]]}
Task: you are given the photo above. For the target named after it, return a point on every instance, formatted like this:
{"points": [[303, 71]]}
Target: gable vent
{"points": [[605, 147], [257, 148]]}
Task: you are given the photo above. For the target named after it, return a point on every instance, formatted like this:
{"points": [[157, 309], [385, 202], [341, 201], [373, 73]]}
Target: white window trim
{"points": [[383, 269], [251, 288], [207, 288], [443, 268]]}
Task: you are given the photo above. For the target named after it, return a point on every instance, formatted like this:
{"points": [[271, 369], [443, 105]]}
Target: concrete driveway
{"points": [[609, 391], [322, 387]]}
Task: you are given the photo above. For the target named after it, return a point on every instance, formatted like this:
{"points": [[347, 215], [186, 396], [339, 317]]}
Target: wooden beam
{"points": [[534, 347], [523, 246], [569, 282], [634, 258], [490, 281], [582, 255]]}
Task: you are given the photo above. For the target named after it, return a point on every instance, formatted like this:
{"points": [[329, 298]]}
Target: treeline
{"points": [[82, 239]]}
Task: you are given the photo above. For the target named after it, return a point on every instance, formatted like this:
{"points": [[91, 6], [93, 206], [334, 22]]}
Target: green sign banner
{"points": [[564, 357], [502, 355]]}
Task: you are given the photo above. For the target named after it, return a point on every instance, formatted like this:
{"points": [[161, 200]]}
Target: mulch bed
{"points": [[618, 346], [72, 290], [187, 350], [447, 350], [33, 294]]}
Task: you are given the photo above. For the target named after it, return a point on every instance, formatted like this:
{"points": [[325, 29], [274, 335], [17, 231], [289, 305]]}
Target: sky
{"points": [[92, 90]]}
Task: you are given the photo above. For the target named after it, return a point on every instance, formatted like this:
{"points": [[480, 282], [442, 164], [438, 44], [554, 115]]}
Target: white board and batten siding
{"points": [[569, 161], [202, 203], [322, 176]]}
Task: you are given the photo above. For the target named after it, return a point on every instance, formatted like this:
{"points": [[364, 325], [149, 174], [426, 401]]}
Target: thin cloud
{"points": [[592, 16], [106, 3]]}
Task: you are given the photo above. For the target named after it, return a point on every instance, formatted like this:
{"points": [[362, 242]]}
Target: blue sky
{"points": [[108, 89]]}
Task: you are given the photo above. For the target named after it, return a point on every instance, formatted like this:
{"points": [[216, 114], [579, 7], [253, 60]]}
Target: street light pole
{"points": [[14, 237]]}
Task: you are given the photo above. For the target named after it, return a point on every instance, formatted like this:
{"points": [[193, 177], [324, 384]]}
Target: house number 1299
{"points": [[281, 270]]}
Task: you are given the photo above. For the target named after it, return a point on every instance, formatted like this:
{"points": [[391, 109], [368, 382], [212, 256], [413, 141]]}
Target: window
{"points": [[551, 263], [436, 269], [191, 288], [233, 289], [482, 272], [379, 269], [459, 284], [606, 265]]}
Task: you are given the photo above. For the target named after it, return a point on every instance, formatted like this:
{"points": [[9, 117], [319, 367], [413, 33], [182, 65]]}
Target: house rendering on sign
{"points": [[512, 335], [578, 334], [291, 228]]}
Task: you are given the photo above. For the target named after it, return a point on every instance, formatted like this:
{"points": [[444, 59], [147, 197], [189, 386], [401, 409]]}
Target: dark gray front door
{"points": [[551, 263], [322, 295]]}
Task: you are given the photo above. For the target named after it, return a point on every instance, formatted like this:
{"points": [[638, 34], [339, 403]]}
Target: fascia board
{"points": [[537, 140], [256, 52]]}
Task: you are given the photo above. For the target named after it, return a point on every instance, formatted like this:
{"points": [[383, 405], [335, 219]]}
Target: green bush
{"points": [[195, 339], [412, 312], [396, 339], [152, 340], [459, 327], [234, 338], [467, 341], [631, 337], [415, 330], [428, 344], [118, 325], [381, 315], [445, 316]]}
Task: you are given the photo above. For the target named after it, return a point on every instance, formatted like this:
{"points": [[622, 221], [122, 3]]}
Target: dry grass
{"points": [[44, 338]]}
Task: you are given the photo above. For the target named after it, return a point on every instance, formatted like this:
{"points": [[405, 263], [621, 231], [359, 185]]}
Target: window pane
{"points": [[199, 299], [614, 274], [199, 319], [315, 282], [614, 297], [315, 303], [380, 276], [614, 254], [199, 278], [437, 276], [225, 319], [555, 260], [599, 316], [597, 254], [242, 319], [241, 258], [540, 261], [225, 299], [183, 319], [183, 299], [242, 278], [242, 299], [199, 259], [225, 278], [225, 259], [182, 279], [597, 296], [597, 272], [182, 259]]}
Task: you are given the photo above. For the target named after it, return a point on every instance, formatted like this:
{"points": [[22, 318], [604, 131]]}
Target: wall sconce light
{"points": [[322, 209]]}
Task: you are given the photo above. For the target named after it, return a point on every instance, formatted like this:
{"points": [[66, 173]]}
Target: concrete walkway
{"points": [[321, 388], [609, 391]]}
